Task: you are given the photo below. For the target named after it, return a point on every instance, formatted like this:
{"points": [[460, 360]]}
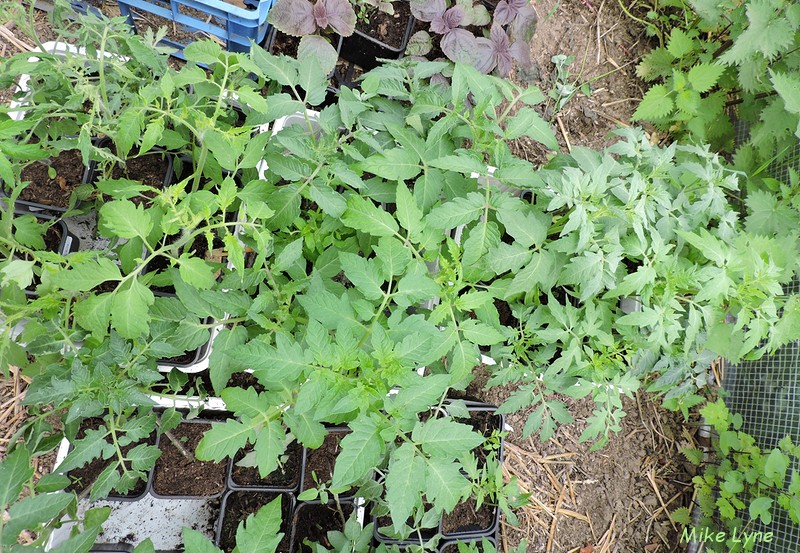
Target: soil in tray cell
{"points": [[239, 505], [320, 462], [466, 518], [56, 191], [149, 169], [83, 477], [287, 475], [389, 29], [313, 521], [178, 472]]}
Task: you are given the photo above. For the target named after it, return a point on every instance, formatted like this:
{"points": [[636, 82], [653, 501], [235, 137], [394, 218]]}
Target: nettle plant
{"points": [[510, 28], [741, 483], [723, 56]]}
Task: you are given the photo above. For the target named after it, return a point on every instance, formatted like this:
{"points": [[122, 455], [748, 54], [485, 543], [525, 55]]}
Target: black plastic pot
{"points": [[188, 471], [37, 207], [322, 459], [68, 242], [324, 517], [237, 505], [168, 174], [469, 533], [364, 50], [284, 479]]}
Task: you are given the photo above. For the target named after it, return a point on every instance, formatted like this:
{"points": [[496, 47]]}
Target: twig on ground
{"points": [[564, 133], [20, 45]]}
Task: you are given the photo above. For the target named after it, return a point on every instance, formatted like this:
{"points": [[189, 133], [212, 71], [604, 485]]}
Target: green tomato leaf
{"points": [[365, 216], [261, 532], [224, 440], [446, 438], [130, 314], [124, 219], [85, 276], [362, 451]]}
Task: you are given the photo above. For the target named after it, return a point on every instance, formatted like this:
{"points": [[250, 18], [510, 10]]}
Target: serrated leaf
{"points": [[679, 43], [261, 532], [320, 49], [194, 541], [15, 471], [526, 122], [363, 273], [365, 216], [459, 211], [408, 212], [424, 392], [19, 272], [393, 255], [278, 365], [656, 104], [416, 286], [711, 247], [289, 255], [403, 483], [397, 164], [480, 333], [445, 485], [270, 445], [788, 88], [85, 276], [224, 440], [446, 438], [507, 257], [130, 314], [195, 272], [33, 511], [362, 450], [704, 76], [540, 271], [309, 432], [528, 228], [243, 402], [125, 219]]}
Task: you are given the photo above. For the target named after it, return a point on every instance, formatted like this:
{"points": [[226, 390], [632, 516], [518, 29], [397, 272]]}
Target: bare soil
{"points": [[467, 518], [320, 462], [56, 191], [286, 476], [606, 45], [177, 472], [389, 29], [313, 521]]}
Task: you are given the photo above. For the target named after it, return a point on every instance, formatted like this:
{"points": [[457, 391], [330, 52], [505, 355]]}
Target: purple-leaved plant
{"points": [[301, 17], [520, 15], [498, 52], [495, 52], [304, 19]]}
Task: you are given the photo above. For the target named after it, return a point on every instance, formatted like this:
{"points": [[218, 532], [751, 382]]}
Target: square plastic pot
{"points": [[365, 50], [149, 516], [487, 528], [237, 505]]}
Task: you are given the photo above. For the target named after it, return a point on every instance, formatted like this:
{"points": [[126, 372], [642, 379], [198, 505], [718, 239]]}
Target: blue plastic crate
{"points": [[233, 25]]}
